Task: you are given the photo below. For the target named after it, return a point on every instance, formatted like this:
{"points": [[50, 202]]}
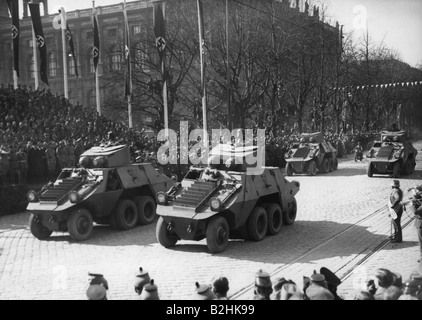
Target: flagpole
{"points": [[228, 68], [204, 87], [129, 98], [34, 52], [97, 78], [163, 70], [15, 79], [63, 27]]}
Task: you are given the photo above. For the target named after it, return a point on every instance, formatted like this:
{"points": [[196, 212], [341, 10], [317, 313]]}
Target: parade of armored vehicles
{"points": [[311, 154], [106, 189], [219, 201], [392, 154]]}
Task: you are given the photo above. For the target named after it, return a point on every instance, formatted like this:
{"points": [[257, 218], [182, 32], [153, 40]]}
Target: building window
{"points": [[115, 59], [71, 65], [141, 56], [136, 29], [52, 65], [112, 32]]}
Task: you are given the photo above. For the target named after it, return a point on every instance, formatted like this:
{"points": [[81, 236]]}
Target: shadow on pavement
{"points": [[297, 240]]}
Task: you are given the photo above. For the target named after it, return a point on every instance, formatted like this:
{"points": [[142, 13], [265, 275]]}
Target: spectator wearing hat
{"points": [[410, 290], [141, 279], [220, 287], [396, 210], [263, 286], [150, 291], [384, 278], [97, 287], [317, 292]]}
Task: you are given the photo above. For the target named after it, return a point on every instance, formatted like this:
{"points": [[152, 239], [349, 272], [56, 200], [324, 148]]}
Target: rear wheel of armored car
{"points": [[257, 224], [275, 218], [288, 169], [407, 167], [335, 164], [146, 209], [370, 170], [165, 237], [324, 165], [312, 168], [289, 216], [37, 229], [331, 165], [396, 170], [80, 225], [217, 234], [125, 215]]}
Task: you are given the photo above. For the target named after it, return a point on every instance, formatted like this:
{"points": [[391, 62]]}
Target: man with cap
{"points": [[220, 287], [203, 292], [97, 288], [141, 279], [396, 210], [263, 286], [410, 290]]}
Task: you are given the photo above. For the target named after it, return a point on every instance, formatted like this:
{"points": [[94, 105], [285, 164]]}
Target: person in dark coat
{"points": [[396, 210]]}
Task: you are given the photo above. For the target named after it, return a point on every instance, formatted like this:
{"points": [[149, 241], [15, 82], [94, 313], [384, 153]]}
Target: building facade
{"points": [[82, 88]]}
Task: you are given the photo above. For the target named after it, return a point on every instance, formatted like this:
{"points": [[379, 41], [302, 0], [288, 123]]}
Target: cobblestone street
{"points": [[342, 224]]}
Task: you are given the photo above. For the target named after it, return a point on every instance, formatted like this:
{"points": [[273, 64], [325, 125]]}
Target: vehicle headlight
{"points": [[162, 198], [32, 196], [397, 154], [215, 204], [74, 197]]}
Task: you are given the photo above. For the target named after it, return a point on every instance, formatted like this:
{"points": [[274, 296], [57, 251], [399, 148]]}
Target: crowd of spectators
{"points": [[323, 285], [42, 133]]}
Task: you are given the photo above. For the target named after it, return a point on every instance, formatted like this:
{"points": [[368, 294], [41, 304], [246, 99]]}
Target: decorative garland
{"points": [[387, 85]]}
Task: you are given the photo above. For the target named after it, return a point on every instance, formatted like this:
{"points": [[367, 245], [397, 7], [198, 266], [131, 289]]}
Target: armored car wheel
{"points": [[146, 209], [80, 225], [396, 170], [125, 215], [324, 165], [289, 216], [312, 168], [335, 164], [275, 218], [257, 224], [37, 229], [165, 237], [288, 169], [217, 234], [331, 165], [370, 170]]}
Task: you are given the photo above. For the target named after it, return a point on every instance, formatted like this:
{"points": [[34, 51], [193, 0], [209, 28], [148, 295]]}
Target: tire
{"points": [[147, 209], [275, 218], [396, 170], [165, 237], [335, 164], [217, 234], [125, 215], [324, 165], [330, 165], [257, 224], [289, 216], [288, 169], [37, 229], [413, 166], [80, 225], [312, 168], [407, 167], [370, 170]]}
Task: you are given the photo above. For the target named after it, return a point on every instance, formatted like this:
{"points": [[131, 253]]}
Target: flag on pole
{"points": [[202, 44], [128, 82], [160, 29], [96, 47], [14, 12], [72, 48], [39, 36]]}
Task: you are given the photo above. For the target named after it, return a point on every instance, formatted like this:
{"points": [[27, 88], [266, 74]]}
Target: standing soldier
{"points": [[417, 210], [22, 159], [396, 210], [61, 155], [70, 151], [79, 148], [50, 156]]}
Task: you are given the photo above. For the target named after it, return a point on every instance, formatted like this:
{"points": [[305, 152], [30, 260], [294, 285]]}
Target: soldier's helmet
{"points": [[85, 162]]}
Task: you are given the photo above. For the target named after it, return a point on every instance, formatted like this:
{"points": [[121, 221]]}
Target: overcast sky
{"points": [[396, 22]]}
